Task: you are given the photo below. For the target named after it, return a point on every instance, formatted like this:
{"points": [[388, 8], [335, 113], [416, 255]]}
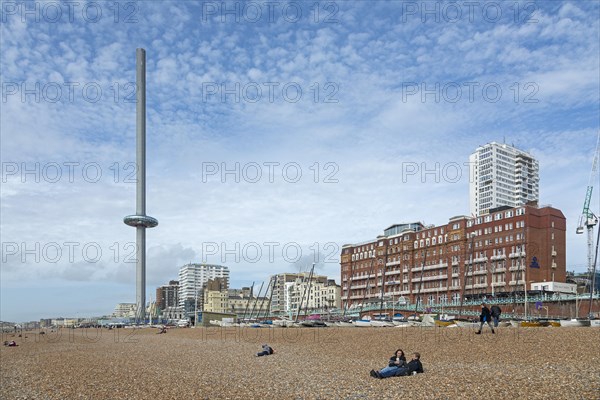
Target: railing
{"points": [[453, 307]]}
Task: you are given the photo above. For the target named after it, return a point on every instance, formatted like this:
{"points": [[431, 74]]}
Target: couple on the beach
{"points": [[399, 367]]}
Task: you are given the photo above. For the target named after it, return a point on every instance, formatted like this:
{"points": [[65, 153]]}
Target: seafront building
{"points": [[215, 296], [499, 252], [124, 310], [501, 175], [167, 295], [244, 304], [192, 278], [291, 291]]}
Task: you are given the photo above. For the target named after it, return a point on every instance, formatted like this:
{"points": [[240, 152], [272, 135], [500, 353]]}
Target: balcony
{"points": [[498, 257], [554, 265], [499, 284], [433, 290], [455, 275], [392, 283], [522, 268], [480, 272], [520, 282], [358, 287], [500, 269], [553, 253], [436, 266], [517, 254], [480, 259], [392, 263], [403, 292], [454, 287], [431, 278], [455, 262], [480, 285]]}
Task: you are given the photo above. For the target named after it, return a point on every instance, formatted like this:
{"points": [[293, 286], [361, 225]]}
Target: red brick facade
{"points": [[432, 262]]}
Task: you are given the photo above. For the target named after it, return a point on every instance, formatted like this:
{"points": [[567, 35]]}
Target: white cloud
{"points": [[368, 133]]}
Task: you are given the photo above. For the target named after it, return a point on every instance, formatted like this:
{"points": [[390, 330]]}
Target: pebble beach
{"points": [[326, 363]]}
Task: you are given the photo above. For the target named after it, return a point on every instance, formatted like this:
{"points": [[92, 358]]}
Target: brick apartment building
{"points": [[489, 254]]}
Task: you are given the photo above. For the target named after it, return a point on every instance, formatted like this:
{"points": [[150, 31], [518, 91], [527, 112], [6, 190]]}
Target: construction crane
{"points": [[588, 220]]}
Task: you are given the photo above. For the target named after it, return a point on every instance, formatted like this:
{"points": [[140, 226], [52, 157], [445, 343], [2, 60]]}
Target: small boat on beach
{"points": [[533, 324], [466, 323], [381, 323], [362, 323], [574, 323]]}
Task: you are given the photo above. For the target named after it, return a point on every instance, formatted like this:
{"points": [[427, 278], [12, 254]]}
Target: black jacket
{"points": [[415, 365], [392, 362], [268, 349], [496, 311], [485, 315]]}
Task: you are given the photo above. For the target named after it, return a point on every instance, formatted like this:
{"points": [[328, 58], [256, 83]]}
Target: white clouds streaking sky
{"points": [[352, 90]]}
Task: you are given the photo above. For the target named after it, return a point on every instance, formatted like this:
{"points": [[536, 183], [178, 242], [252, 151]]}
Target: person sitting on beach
{"points": [[397, 361], [162, 329], [266, 350], [413, 367], [486, 316], [12, 343]]}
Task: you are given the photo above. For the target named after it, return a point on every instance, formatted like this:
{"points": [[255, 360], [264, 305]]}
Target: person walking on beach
{"points": [[485, 316], [397, 361], [495, 311], [266, 350]]}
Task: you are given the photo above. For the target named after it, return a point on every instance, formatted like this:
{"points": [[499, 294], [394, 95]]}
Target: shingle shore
{"points": [[327, 363]]}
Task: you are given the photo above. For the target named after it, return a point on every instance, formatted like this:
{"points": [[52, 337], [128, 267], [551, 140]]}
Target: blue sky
{"points": [[318, 106]]}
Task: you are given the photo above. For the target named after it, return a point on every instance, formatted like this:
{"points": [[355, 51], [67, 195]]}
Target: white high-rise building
{"points": [[502, 175], [192, 277]]}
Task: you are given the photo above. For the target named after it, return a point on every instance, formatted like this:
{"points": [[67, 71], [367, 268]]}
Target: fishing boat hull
{"points": [[381, 324], [466, 324], [284, 323], [574, 323], [532, 324], [595, 323], [362, 323]]}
